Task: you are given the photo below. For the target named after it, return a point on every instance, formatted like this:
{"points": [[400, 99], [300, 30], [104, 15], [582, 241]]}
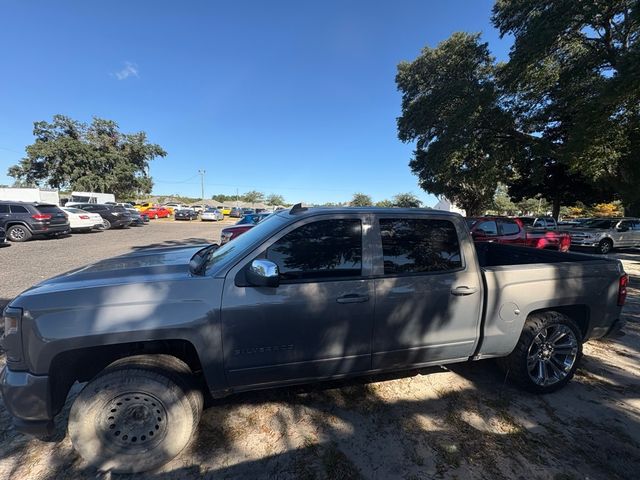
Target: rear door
{"points": [[4, 214], [428, 292], [625, 234], [318, 322], [510, 232]]}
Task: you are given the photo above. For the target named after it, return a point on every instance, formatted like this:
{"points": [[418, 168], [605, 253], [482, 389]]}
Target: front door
{"points": [[317, 323], [428, 300]]}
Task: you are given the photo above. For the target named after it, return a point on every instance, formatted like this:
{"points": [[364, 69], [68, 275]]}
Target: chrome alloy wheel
{"points": [[552, 355]]}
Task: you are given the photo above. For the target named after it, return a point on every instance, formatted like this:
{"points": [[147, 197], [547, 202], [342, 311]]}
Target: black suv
{"points": [[22, 220], [113, 216]]}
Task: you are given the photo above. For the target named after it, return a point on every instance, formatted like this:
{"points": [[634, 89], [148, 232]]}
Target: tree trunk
{"points": [[555, 211]]}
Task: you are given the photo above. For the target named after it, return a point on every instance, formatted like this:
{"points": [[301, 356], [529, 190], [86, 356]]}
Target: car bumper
{"points": [[121, 222], [46, 229], [27, 398]]}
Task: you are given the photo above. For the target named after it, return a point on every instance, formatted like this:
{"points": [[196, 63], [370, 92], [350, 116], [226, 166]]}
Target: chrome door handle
{"points": [[463, 290], [353, 298]]}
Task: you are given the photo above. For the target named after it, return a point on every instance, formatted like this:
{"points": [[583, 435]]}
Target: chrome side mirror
{"points": [[263, 273]]}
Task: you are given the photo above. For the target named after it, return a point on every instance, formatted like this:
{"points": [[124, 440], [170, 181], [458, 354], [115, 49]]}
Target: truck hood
{"points": [[149, 265]]}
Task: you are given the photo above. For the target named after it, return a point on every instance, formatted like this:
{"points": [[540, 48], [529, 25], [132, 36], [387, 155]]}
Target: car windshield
{"points": [[600, 223], [216, 259]]}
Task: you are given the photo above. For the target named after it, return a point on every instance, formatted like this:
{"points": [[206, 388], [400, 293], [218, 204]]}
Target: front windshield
{"points": [[218, 258], [600, 223]]}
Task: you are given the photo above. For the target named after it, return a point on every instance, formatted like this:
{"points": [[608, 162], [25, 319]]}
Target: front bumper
{"points": [[27, 397], [584, 242]]}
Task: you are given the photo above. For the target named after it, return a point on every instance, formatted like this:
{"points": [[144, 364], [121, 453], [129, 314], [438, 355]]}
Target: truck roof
{"points": [[299, 211]]}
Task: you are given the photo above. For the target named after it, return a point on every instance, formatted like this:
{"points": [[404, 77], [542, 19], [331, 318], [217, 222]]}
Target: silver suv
{"points": [[605, 234]]}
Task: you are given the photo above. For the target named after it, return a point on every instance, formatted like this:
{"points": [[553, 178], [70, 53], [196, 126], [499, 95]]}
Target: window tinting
{"points": [[52, 209], [18, 209], [419, 245], [488, 228], [509, 228], [4, 208], [322, 249]]}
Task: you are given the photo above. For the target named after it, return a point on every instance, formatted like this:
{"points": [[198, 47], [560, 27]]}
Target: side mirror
{"points": [[263, 273]]}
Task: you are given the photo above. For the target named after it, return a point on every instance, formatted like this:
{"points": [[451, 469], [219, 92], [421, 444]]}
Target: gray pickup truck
{"points": [[306, 295]]}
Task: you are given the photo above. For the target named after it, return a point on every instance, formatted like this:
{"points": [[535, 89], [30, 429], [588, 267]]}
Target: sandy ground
{"points": [[463, 421]]}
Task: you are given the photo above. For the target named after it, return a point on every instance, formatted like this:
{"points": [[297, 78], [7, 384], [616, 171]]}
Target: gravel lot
{"points": [[463, 421]]}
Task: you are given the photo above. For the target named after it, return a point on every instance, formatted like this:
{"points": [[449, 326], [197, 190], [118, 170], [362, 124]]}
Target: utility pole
{"points": [[201, 173]]}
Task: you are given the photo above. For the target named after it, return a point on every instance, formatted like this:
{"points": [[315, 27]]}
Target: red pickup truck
{"points": [[514, 232]]}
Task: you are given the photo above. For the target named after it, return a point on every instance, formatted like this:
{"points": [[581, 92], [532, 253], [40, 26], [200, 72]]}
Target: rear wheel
{"points": [[18, 233], [136, 415], [106, 224], [605, 246], [547, 353]]}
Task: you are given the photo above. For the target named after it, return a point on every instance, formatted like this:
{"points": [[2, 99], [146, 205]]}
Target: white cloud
{"points": [[129, 70]]}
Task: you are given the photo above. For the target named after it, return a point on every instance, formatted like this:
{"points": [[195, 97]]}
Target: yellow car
{"points": [[143, 207], [225, 210]]}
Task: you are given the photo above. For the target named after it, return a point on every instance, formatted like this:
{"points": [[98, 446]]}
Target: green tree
{"points": [[385, 203], [451, 108], [361, 200], [274, 200], [502, 204], [68, 154], [406, 200], [574, 79], [252, 196]]}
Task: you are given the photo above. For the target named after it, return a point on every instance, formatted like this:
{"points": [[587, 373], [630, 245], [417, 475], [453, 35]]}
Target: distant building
{"points": [[448, 206]]}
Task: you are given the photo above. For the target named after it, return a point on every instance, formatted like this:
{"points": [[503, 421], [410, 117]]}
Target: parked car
{"points": [[211, 214], [81, 220], [236, 212], [185, 214], [605, 234], [243, 225], [198, 208], [305, 296], [137, 219], [157, 212], [248, 211], [142, 207], [225, 210], [512, 231], [24, 220], [113, 216]]}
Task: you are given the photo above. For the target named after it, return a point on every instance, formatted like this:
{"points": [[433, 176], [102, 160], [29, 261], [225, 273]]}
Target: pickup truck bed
{"points": [[565, 282]]}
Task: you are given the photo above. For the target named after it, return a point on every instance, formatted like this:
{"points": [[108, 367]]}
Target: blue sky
{"points": [[288, 97]]}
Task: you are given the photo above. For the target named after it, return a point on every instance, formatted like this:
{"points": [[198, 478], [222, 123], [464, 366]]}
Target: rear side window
{"points": [[18, 209], [419, 246], [509, 228], [488, 227], [4, 208], [326, 249], [118, 208]]}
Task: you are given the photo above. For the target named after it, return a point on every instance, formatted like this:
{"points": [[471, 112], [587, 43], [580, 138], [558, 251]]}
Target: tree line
{"points": [[559, 120]]}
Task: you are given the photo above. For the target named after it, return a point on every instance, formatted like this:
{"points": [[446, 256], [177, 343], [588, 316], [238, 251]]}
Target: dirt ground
{"points": [[462, 421]]}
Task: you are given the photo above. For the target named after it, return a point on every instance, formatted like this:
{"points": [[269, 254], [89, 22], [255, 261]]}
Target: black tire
{"points": [[136, 415], [18, 233], [155, 217], [106, 224], [605, 246], [533, 348]]}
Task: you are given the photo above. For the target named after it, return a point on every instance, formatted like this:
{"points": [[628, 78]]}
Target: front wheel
{"points": [[547, 353], [106, 224], [605, 246], [137, 415]]}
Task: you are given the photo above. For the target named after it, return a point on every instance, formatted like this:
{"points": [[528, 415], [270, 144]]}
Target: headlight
{"points": [[11, 318]]}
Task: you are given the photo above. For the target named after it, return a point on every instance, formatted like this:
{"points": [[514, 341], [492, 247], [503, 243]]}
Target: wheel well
{"points": [[83, 364], [578, 313], [11, 224]]}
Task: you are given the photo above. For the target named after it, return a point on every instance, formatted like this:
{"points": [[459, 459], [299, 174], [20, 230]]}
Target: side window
{"points": [[18, 209], [488, 227], [419, 246], [509, 228], [4, 208], [319, 250]]}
